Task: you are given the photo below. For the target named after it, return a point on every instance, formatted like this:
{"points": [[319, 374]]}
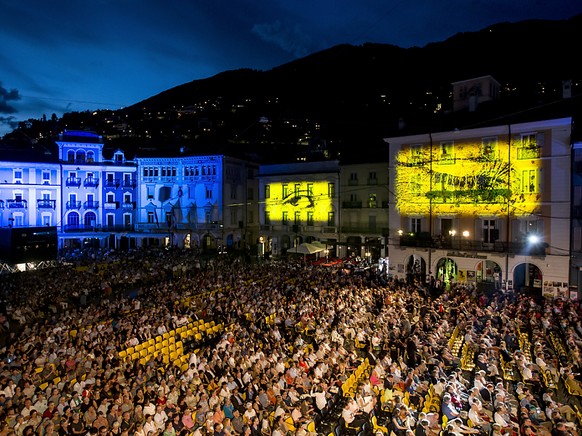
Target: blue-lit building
{"points": [[101, 199]]}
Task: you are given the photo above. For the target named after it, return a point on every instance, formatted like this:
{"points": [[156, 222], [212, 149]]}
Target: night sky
{"points": [[60, 56]]}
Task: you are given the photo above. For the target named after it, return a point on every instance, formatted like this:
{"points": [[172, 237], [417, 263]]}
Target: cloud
{"points": [[292, 40], [5, 97]]}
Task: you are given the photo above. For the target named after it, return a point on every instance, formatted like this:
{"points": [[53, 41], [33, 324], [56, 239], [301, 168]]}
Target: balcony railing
{"points": [[73, 205], [112, 183], [131, 183], [361, 230], [111, 205], [44, 203], [91, 182], [128, 205], [91, 205], [98, 228], [16, 204], [73, 181], [352, 204], [516, 247]]}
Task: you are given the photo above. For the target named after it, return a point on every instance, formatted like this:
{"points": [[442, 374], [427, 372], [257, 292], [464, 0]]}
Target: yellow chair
{"points": [[311, 427], [122, 354], [159, 346], [165, 343], [143, 353], [377, 426], [198, 337], [56, 380], [43, 386], [445, 420], [129, 350], [135, 356], [73, 333], [151, 349]]}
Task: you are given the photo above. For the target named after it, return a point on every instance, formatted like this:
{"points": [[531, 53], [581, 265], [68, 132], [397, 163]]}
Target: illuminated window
{"points": [[110, 219], [372, 201], [447, 153], [331, 190], [529, 183], [310, 189], [309, 218], [331, 219], [71, 156], [150, 192], [285, 191], [285, 218], [127, 198], [18, 176], [297, 218], [529, 147], [489, 148], [127, 219], [18, 219], [415, 184], [415, 226], [267, 217], [46, 219], [267, 191], [416, 154]]}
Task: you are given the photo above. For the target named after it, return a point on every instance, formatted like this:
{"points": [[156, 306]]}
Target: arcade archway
{"points": [[415, 269], [528, 278], [446, 271]]}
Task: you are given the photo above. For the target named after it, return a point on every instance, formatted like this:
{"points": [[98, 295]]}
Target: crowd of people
{"points": [[65, 328]]}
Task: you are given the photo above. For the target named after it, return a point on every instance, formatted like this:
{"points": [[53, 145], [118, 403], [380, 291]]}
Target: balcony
{"points": [[129, 183], [16, 204], [91, 205], [73, 182], [45, 203], [91, 182], [1, 204], [112, 183], [351, 204], [128, 205], [71, 205], [423, 240], [78, 228], [111, 205]]}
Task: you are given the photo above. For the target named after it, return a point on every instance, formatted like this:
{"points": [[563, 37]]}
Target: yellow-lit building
{"points": [[299, 203], [468, 205]]}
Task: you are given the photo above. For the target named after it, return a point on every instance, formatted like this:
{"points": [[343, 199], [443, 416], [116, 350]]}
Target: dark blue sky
{"points": [[59, 56]]}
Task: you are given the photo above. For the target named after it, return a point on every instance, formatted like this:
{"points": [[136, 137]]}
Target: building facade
{"points": [[488, 206]]}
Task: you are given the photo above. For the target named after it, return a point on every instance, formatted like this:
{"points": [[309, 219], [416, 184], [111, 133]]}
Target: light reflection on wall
{"points": [[303, 197], [469, 179]]}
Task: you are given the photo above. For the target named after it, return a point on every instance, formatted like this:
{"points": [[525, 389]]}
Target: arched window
{"points": [[90, 219], [73, 219]]}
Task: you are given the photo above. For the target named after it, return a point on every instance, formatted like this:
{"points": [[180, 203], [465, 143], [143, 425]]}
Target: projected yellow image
{"points": [[300, 202], [469, 179]]}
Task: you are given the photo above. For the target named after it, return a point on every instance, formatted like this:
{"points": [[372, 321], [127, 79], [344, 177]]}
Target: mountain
{"points": [[342, 101]]}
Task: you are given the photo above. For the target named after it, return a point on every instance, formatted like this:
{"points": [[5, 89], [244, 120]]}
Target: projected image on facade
{"points": [[299, 202], [469, 178]]}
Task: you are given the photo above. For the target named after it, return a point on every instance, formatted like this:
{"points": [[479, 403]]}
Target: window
{"points": [[285, 191], [331, 190], [416, 154], [372, 201], [110, 219], [208, 192], [415, 225], [151, 217], [267, 217], [250, 194], [285, 218], [530, 148], [529, 181], [18, 176], [150, 192], [309, 218], [233, 191], [490, 231], [46, 177], [447, 153], [372, 175], [489, 148], [127, 219], [297, 189], [297, 218], [70, 156], [127, 198], [110, 198], [233, 217], [18, 219], [353, 179], [331, 219], [251, 217], [267, 191], [46, 196], [310, 189], [415, 184], [46, 219]]}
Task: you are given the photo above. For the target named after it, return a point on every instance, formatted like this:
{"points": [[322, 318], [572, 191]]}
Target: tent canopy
{"points": [[306, 248]]}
